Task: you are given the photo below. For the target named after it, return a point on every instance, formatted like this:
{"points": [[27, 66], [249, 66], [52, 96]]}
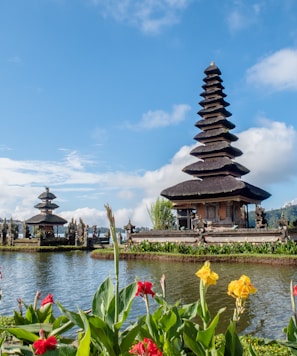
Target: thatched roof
{"points": [[220, 133], [221, 166], [217, 120], [222, 146], [214, 187], [46, 205], [46, 219]]}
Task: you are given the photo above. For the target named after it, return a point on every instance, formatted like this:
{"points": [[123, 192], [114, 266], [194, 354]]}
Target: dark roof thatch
{"points": [[46, 219], [217, 120], [222, 146], [214, 165], [220, 133], [214, 187], [47, 195], [218, 109], [46, 205]]}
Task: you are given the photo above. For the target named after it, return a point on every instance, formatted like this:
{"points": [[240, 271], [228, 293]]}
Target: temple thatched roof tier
{"points": [[214, 122], [47, 195], [46, 219], [46, 205], [214, 166], [215, 135], [222, 148], [214, 188]]}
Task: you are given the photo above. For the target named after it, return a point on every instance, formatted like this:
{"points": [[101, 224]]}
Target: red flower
{"points": [[42, 345], [48, 299], [145, 348], [295, 290], [144, 288]]}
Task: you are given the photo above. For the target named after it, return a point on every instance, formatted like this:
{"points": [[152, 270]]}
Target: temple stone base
{"points": [[215, 236]]}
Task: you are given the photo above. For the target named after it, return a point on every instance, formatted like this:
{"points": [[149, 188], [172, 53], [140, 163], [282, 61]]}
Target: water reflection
{"points": [[73, 277]]}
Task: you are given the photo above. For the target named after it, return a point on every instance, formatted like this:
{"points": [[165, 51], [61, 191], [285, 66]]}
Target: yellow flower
{"points": [[207, 275], [241, 288]]}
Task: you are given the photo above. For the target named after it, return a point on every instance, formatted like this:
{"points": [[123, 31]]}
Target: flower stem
{"points": [[116, 268], [203, 303]]}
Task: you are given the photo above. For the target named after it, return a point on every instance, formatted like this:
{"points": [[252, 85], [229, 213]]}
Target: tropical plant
{"points": [[161, 214], [106, 330]]}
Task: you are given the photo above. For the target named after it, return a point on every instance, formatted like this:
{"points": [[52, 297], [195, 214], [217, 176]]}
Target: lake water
{"points": [[73, 277]]}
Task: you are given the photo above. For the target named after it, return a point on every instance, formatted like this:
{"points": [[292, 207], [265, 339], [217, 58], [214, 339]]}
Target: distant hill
{"points": [[274, 215]]}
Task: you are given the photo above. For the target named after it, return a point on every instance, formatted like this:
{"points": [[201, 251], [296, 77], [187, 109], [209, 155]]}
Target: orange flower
{"points": [[207, 275]]}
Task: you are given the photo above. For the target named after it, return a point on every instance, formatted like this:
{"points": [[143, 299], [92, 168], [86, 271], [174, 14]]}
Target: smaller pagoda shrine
{"points": [[46, 220]]}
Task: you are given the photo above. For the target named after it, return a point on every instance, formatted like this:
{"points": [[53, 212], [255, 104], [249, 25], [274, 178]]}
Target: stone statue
{"points": [[261, 221]]}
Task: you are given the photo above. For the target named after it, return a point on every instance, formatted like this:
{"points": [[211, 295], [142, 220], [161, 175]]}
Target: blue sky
{"points": [[98, 99]]}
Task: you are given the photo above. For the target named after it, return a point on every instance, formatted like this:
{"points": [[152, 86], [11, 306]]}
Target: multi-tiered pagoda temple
{"points": [[217, 194], [46, 220]]}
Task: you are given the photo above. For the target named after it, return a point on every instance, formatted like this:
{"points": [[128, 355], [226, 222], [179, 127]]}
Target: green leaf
{"points": [[31, 315], [206, 337], [189, 311], [85, 342], [128, 337], [45, 313], [152, 327], [17, 350], [67, 350], [206, 319], [291, 330], [189, 335], [102, 298], [102, 334], [71, 316], [22, 334], [126, 297], [233, 344], [19, 319], [168, 320]]}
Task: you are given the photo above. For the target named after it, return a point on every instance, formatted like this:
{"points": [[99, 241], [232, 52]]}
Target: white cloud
{"points": [[277, 71], [151, 16], [160, 118], [242, 16], [268, 151]]}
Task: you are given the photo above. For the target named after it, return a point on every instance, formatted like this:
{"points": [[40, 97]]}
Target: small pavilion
{"points": [[216, 195], [46, 220]]}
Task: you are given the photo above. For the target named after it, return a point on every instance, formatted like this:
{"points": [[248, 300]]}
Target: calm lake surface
{"points": [[73, 277]]}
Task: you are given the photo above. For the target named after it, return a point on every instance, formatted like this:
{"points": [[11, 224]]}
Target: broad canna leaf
{"points": [[189, 311], [291, 330], [85, 343], [71, 316], [23, 334], [102, 298], [189, 335], [45, 313], [206, 337], [126, 297], [168, 320], [233, 344], [127, 338]]}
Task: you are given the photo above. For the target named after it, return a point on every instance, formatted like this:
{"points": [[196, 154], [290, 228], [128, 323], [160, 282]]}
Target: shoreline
{"points": [[261, 259]]}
